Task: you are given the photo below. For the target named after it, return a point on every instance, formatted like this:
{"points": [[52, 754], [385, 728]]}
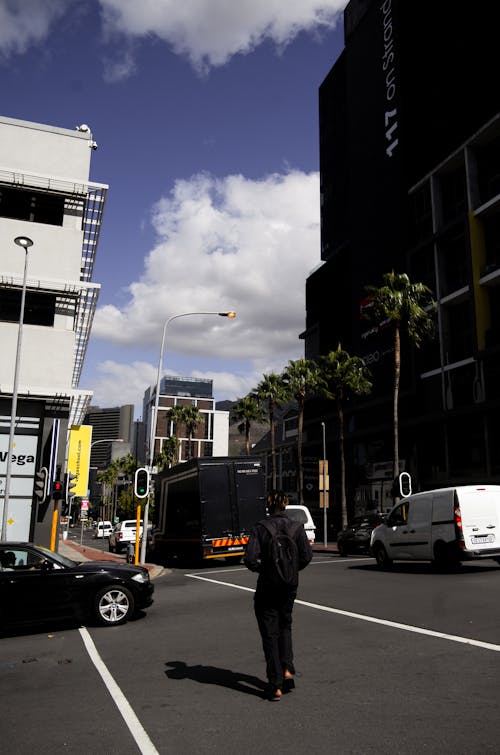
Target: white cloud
{"points": [[119, 383], [26, 23], [209, 32], [225, 244]]}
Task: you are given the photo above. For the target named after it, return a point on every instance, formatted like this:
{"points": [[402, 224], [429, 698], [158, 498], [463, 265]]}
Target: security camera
{"points": [[83, 128], [93, 145]]}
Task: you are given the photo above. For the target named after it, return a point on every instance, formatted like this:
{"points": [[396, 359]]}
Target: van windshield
{"points": [[297, 515]]}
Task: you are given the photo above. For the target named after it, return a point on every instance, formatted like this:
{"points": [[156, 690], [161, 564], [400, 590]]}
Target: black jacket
{"points": [[257, 546]]}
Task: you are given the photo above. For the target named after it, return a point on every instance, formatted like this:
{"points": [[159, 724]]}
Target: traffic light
{"points": [[141, 483], [69, 483], [41, 480], [405, 484], [57, 490]]}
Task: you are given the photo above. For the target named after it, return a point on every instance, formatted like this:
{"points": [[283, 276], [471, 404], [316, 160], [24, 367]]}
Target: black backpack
{"points": [[282, 551]]}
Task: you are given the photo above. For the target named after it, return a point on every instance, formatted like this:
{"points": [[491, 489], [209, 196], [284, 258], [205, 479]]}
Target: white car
{"points": [[123, 534], [303, 515], [103, 529]]}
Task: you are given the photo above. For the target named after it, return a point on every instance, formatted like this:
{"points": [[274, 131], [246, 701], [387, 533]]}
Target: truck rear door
{"points": [[480, 511]]}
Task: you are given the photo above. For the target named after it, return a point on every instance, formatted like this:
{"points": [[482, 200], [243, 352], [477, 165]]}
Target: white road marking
{"points": [[371, 619], [139, 734]]}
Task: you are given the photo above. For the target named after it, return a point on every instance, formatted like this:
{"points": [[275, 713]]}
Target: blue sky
{"points": [[206, 118]]}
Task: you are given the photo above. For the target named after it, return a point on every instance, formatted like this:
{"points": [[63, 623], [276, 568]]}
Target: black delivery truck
{"points": [[206, 507]]}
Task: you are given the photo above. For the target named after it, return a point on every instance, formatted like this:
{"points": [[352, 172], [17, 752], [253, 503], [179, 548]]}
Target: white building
{"points": [[211, 436], [45, 195]]}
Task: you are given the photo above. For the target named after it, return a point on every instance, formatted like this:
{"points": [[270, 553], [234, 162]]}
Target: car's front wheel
{"points": [[113, 605]]}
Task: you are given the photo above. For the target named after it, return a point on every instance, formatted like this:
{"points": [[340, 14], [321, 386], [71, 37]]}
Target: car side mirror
{"points": [[47, 566]]}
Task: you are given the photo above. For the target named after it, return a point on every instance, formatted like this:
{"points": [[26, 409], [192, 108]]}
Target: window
{"points": [[37, 207], [39, 307]]}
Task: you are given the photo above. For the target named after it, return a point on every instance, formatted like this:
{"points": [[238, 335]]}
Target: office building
{"points": [[46, 197], [210, 437], [108, 425], [410, 181]]}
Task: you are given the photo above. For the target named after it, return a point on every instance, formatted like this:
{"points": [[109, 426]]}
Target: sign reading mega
{"points": [[80, 438]]}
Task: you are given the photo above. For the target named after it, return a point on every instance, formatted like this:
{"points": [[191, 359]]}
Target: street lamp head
{"points": [[231, 315], [23, 241]]}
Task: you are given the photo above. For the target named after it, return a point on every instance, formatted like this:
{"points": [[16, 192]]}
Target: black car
{"points": [[37, 585], [355, 538]]}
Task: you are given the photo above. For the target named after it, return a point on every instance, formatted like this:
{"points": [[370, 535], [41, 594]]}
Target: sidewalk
{"points": [[319, 547], [73, 550]]}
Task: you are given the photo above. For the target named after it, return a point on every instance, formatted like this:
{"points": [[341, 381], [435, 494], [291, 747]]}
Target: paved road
{"points": [[387, 664]]}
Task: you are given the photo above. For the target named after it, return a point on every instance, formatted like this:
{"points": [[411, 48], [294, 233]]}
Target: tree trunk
{"points": [[340, 413], [397, 372], [247, 437]]}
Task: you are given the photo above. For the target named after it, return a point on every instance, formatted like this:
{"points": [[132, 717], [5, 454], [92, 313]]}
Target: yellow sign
{"points": [[80, 438]]}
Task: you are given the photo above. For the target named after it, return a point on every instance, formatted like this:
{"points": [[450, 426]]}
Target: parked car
{"points": [[38, 585], [103, 529], [122, 534], [303, 515], [355, 538]]}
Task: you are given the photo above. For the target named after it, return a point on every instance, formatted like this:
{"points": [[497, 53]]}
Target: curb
{"points": [[94, 554]]}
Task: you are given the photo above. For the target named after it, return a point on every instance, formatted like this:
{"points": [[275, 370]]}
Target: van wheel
{"points": [[381, 557]]}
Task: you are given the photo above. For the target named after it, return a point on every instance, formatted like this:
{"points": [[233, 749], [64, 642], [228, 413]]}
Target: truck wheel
{"points": [[381, 557]]}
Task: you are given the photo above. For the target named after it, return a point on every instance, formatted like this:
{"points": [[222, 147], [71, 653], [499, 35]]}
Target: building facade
{"points": [[108, 425], [210, 437], [45, 196], [410, 181]]}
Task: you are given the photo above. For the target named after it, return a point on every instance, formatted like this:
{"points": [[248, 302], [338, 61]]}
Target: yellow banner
{"points": [[80, 438]]}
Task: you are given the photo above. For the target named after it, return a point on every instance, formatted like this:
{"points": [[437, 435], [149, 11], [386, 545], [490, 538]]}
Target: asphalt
{"points": [[85, 553]]}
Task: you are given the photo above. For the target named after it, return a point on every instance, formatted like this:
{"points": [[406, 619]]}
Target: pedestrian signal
{"points": [[57, 490]]}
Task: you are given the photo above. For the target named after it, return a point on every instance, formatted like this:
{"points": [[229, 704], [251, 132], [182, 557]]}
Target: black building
{"points": [[410, 181]]}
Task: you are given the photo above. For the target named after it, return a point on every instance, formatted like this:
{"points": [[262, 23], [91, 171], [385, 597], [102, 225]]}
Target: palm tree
{"points": [[245, 411], [343, 375], [168, 454], [300, 377], [192, 418], [272, 390], [175, 415], [405, 306]]}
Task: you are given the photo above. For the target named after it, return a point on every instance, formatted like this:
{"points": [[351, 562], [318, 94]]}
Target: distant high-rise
{"points": [[109, 424], [211, 437]]}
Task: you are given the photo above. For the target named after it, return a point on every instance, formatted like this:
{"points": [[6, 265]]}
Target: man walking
{"points": [[278, 549]]}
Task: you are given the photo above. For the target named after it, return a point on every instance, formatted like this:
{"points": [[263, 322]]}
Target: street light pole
{"points": [[154, 415], [25, 243]]}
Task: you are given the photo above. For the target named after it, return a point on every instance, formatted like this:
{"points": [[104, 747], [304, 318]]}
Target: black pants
{"points": [[273, 610]]}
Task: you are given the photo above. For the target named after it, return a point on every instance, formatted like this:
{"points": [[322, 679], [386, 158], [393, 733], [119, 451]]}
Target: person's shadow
{"points": [[250, 685]]}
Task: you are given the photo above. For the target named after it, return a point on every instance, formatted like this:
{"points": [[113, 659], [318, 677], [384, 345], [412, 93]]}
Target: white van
{"points": [[303, 515], [446, 526], [103, 529]]}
